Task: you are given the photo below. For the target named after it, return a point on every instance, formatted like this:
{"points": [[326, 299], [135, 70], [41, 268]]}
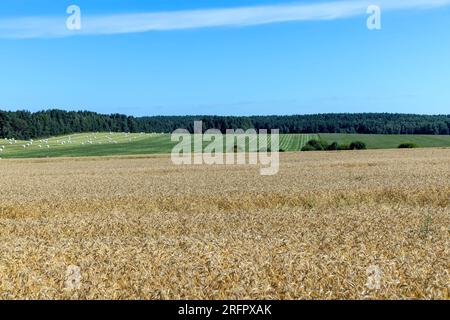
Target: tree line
{"points": [[28, 125]]}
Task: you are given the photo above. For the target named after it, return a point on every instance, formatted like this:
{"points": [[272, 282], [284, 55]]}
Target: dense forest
{"points": [[27, 125]]}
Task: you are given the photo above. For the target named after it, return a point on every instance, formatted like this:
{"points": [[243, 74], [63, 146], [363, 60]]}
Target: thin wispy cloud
{"points": [[47, 27]]}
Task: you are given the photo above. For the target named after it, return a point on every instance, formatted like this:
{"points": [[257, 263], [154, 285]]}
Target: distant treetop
{"points": [[27, 125]]}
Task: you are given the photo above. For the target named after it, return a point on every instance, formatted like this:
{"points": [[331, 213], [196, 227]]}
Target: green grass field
{"points": [[111, 144], [380, 141]]}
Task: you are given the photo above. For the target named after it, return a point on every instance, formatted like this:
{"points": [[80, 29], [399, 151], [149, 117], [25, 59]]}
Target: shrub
{"points": [[316, 144], [333, 146], [308, 148], [408, 145], [357, 145]]}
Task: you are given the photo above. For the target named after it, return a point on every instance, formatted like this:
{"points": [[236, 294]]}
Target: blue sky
{"points": [[226, 62]]}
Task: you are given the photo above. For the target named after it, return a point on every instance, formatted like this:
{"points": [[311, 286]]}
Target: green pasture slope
{"points": [[387, 141], [89, 144], [113, 144]]}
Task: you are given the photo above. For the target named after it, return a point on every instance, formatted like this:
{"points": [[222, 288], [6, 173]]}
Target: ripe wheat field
{"points": [[142, 228]]}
